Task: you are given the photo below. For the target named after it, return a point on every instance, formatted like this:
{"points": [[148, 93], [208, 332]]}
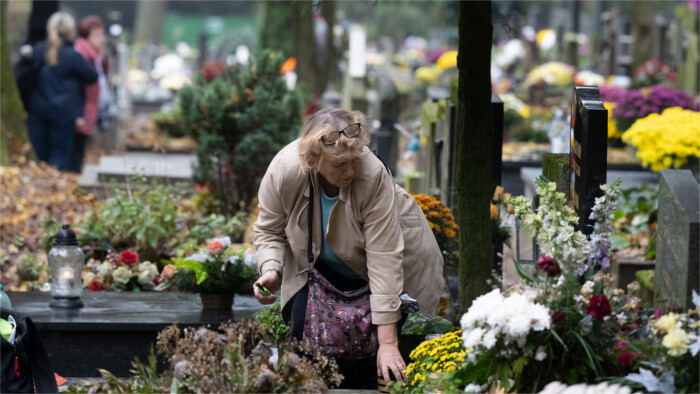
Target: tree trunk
{"points": [[276, 18], [474, 142], [314, 68], [13, 130], [150, 17], [304, 45], [643, 32]]}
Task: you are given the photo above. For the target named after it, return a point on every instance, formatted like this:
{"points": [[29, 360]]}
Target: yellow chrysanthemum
{"points": [[613, 131], [666, 140]]}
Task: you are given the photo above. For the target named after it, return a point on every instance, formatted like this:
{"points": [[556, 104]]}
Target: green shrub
{"points": [[143, 217], [240, 120]]}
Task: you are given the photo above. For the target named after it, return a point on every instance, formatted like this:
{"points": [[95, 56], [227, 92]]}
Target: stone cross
{"points": [[589, 150], [677, 239]]}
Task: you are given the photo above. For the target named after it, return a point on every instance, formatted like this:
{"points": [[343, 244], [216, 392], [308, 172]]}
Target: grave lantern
{"points": [[66, 262]]}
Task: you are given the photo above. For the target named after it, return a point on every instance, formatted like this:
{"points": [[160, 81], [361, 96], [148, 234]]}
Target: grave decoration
{"points": [[668, 140], [231, 359], [121, 272], [66, 262], [552, 328], [630, 105], [443, 224], [216, 272]]}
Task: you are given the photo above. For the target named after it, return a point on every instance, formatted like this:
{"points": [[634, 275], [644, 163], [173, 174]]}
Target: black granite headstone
{"points": [[589, 151], [677, 239]]}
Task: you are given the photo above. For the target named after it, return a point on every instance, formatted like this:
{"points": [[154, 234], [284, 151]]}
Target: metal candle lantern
{"points": [[66, 261]]}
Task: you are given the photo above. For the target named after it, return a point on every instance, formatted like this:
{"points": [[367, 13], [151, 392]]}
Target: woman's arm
{"points": [[384, 249], [268, 233]]}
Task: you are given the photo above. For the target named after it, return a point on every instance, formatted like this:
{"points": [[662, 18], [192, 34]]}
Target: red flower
{"points": [[558, 316], [621, 346], [215, 247], [625, 359], [95, 286], [128, 257], [204, 186], [548, 265], [599, 306], [156, 280]]}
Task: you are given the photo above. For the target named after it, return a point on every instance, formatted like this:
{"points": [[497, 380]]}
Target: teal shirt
{"points": [[327, 255]]}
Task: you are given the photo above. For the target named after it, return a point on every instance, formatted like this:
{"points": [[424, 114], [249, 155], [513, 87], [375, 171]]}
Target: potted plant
{"points": [[216, 272]]}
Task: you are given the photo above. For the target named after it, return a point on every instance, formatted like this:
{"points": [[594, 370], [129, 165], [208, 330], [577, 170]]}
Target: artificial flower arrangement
{"points": [[442, 222], [551, 328], [652, 72], [121, 272], [218, 268], [667, 140], [666, 358]]}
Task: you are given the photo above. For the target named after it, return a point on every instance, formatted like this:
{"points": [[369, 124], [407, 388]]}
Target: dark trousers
{"points": [[359, 374], [78, 155], [53, 140]]}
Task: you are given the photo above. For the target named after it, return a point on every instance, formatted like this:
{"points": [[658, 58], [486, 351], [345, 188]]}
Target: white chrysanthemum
{"points": [[472, 388], [489, 339], [473, 338]]}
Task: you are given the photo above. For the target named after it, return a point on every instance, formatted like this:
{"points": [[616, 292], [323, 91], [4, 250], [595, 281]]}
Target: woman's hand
{"points": [[271, 281], [388, 356], [389, 359], [80, 123]]}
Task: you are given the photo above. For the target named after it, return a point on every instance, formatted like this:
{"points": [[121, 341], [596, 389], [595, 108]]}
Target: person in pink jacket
{"points": [[90, 44]]}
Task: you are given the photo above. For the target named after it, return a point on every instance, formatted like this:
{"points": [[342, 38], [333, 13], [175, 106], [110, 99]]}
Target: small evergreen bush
{"points": [[240, 120]]}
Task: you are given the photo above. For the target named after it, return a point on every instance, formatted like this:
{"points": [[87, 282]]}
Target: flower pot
{"points": [[217, 301]]}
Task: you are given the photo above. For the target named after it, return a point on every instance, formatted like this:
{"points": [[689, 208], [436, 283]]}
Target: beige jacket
{"points": [[375, 227]]}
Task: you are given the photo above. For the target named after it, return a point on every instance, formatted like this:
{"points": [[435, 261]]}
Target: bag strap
{"points": [[44, 378], [42, 373], [310, 216]]}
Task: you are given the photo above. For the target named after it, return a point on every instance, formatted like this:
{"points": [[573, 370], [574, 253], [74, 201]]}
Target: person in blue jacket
{"points": [[57, 101]]}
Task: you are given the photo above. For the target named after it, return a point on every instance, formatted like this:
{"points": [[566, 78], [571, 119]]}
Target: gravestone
{"points": [[589, 150], [677, 239], [384, 138]]}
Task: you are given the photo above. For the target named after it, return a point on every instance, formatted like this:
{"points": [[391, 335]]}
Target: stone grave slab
{"points": [[677, 239], [115, 327]]}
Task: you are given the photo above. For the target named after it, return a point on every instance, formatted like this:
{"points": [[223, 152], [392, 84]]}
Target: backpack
{"points": [[25, 366], [27, 77]]}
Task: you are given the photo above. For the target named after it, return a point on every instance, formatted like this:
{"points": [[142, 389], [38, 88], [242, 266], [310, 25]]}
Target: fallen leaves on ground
{"points": [[28, 192]]}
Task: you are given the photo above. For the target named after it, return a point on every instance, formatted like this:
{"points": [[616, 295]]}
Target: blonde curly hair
{"points": [[312, 151]]}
